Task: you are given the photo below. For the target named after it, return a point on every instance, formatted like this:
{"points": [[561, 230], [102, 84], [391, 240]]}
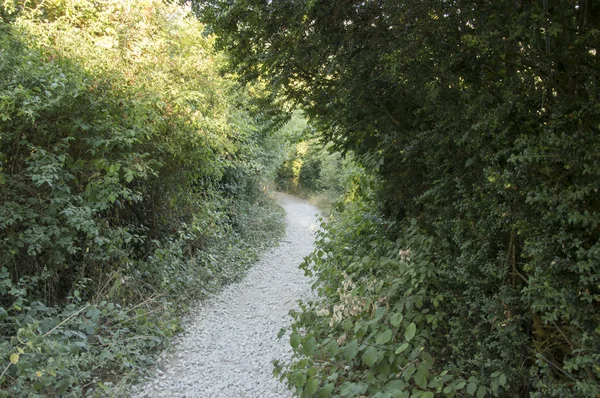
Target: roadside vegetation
{"points": [[132, 182], [311, 168], [464, 259]]}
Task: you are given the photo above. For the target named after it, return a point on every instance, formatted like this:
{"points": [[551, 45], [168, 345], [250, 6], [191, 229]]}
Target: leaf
{"points": [[309, 346], [427, 394], [421, 379], [409, 371], [502, 379], [312, 386], [281, 333], [351, 350], [471, 388], [326, 390], [410, 331], [295, 340], [384, 337], [332, 347], [468, 162], [396, 319], [394, 385], [402, 348], [481, 392], [370, 356]]}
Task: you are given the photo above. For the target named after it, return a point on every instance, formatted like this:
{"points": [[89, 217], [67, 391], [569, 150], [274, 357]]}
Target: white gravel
{"points": [[230, 340]]}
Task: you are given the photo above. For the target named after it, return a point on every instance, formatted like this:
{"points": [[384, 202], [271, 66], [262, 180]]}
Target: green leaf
{"points": [[402, 348], [481, 392], [396, 319], [309, 346], [281, 333], [410, 331], [326, 390], [332, 347], [312, 386], [370, 356], [394, 385], [427, 394], [502, 379], [347, 325], [351, 350], [421, 379], [299, 379], [295, 339], [384, 337], [471, 388]]}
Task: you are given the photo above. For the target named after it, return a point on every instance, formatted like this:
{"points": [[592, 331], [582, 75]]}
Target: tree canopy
{"points": [[481, 122]]}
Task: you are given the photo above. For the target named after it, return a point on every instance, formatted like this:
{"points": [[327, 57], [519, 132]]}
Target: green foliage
{"points": [[301, 171], [311, 168], [64, 351], [380, 326], [314, 171], [481, 121], [309, 165], [130, 172]]}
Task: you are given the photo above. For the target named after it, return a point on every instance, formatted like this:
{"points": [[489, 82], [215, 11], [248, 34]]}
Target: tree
{"points": [[482, 122]]}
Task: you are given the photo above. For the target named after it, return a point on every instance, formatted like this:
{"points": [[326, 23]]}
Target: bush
{"points": [[130, 172], [392, 317], [481, 122]]}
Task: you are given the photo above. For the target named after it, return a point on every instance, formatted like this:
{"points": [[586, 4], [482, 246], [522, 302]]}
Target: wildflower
{"points": [[405, 255], [322, 312]]}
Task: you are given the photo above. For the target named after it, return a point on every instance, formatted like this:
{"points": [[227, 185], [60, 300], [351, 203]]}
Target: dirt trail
{"points": [[230, 341]]}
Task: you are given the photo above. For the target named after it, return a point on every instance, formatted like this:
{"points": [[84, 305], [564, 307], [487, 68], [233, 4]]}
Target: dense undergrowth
{"points": [[130, 185], [468, 266], [394, 318]]}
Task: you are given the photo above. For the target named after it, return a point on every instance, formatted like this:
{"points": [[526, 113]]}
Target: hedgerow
{"points": [[130, 184], [392, 320], [481, 122]]}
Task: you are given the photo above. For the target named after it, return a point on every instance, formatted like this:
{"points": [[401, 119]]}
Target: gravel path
{"points": [[230, 340]]}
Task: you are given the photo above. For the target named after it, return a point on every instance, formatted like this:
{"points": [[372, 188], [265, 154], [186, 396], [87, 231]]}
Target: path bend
{"points": [[230, 341]]}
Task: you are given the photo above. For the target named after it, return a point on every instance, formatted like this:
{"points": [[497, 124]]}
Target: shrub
{"points": [[130, 172], [481, 122]]}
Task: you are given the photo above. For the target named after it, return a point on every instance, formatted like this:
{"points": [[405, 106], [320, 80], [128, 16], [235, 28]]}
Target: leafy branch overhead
{"points": [[478, 125]]}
